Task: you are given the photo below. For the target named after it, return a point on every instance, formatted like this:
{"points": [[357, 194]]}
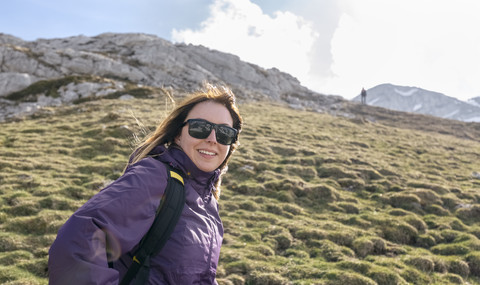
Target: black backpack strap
{"points": [[168, 214]]}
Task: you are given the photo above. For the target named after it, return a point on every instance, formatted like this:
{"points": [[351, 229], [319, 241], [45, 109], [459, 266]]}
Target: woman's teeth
{"points": [[206, 152]]}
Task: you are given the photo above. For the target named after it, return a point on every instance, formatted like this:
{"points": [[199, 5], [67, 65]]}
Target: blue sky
{"points": [[331, 46]]}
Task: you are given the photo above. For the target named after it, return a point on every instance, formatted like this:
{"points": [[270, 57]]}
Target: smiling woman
{"points": [[96, 244]]}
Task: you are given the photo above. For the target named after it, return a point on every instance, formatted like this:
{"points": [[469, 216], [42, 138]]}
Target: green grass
{"points": [[309, 198]]}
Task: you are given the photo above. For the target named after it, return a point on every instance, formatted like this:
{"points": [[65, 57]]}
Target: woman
{"points": [[197, 138]]}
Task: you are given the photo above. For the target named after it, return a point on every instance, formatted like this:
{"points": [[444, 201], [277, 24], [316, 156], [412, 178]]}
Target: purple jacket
{"points": [[114, 220]]}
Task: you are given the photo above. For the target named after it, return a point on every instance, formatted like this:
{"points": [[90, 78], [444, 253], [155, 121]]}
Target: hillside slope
{"points": [[309, 198]]}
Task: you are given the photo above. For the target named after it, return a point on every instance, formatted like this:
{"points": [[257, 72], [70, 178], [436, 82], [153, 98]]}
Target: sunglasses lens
{"points": [[199, 129], [225, 135]]}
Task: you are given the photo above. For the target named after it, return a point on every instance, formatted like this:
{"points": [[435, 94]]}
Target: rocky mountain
{"points": [[417, 100], [50, 72]]}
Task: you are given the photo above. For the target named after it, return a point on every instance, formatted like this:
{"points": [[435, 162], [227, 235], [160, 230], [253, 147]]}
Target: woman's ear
{"points": [[177, 139]]}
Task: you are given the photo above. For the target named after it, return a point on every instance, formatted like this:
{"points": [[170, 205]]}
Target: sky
{"points": [[334, 47]]}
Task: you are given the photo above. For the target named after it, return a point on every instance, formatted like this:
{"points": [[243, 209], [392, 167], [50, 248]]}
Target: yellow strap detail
{"points": [[176, 176], [136, 260]]}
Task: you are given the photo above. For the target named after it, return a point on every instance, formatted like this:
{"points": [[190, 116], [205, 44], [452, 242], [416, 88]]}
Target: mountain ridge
{"points": [[422, 101]]}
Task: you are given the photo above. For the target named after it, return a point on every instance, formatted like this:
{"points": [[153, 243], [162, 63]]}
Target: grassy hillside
{"points": [[309, 198]]}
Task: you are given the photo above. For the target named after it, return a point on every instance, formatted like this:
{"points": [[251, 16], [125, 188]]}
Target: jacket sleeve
{"points": [[110, 224]]}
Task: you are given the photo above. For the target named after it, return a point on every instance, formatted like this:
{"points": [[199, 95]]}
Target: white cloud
{"points": [[240, 27], [429, 44]]}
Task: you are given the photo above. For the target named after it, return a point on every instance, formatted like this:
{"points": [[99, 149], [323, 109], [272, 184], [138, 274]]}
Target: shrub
{"points": [[250, 237], [416, 222], [450, 249], [450, 202], [342, 237], [284, 240], [413, 276], [400, 233], [286, 196], [439, 265], [293, 209], [334, 172], [437, 210], [375, 188], [437, 188], [349, 208], [379, 245], [458, 225], [351, 184], [329, 250], [238, 267], [425, 241], [405, 201], [398, 212], [274, 209], [427, 197], [309, 234], [384, 276], [459, 267], [322, 193], [449, 235], [265, 278], [249, 206], [236, 279], [296, 253], [370, 174], [350, 278], [473, 260], [453, 278], [357, 266], [306, 173], [363, 246], [422, 263], [471, 214]]}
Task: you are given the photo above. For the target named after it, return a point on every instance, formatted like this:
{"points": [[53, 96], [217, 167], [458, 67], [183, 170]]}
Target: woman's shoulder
{"points": [[146, 171], [147, 163]]}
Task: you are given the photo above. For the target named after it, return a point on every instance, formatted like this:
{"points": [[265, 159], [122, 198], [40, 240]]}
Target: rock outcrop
{"points": [[140, 59]]}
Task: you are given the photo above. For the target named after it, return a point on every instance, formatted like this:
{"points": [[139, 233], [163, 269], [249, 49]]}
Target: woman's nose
{"points": [[212, 137]]}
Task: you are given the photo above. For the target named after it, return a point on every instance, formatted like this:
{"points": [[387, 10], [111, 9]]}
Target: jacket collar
{"points": [[203, 181]]}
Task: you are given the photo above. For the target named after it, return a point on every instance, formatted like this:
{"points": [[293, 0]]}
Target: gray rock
{"points": [[13, 81], [142, 59]]}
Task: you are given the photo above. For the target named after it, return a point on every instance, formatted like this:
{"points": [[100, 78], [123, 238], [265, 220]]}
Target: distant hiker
{"points": [[364, 96], [99, 242]]}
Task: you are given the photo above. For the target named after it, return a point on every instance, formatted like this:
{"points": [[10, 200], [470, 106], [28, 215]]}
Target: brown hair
{"points": [[171, 126]]}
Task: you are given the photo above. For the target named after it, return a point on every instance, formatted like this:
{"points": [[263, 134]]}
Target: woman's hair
{"points": [[171, 126]]}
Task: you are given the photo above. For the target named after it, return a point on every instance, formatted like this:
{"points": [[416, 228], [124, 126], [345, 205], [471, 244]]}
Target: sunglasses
{"points": [[201, 129]]}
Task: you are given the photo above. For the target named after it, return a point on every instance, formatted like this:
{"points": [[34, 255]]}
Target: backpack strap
{"points": [[166, 218]]}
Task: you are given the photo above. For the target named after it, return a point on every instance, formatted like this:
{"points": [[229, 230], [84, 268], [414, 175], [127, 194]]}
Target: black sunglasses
{"points": [[201, 129]]}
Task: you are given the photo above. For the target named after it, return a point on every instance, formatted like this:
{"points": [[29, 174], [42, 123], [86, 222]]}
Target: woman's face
{"points": [[207, 154]]}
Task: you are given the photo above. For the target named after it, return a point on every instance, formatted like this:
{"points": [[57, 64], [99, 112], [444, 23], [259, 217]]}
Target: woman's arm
{"points": [[110, 224]]}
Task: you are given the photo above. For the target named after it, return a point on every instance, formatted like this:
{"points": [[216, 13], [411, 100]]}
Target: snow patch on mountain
{"points": [[417, 107], [406, 93], [451, 114]]}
